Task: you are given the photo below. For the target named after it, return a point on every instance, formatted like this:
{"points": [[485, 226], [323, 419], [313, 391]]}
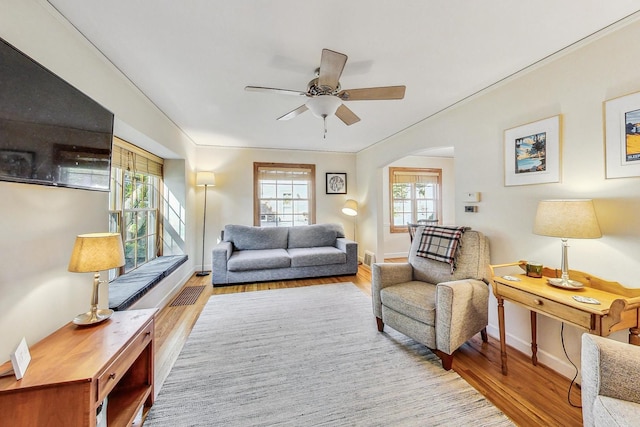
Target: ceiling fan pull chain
{"points": [[325, 127]]}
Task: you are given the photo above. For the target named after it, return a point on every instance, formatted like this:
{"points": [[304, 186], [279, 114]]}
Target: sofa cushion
{"points": [[409, 298], [259, 259], [244, 237], [324, 255], [308, 236]]}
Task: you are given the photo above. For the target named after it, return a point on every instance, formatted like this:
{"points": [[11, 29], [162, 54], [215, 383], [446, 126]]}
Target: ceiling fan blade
{"points": [[291, 114], [372, 93], [331, 66], [274, 90], [346, 115]]}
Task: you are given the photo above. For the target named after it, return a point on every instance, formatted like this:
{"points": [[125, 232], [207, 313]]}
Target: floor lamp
{"points": [[204, 179], [351, 208]]}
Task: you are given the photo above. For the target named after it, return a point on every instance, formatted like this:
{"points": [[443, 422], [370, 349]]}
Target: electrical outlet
{"points": [[471, 209]]}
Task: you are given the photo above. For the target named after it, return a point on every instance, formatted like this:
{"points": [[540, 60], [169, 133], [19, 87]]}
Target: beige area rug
{"points": [[310, 356]]}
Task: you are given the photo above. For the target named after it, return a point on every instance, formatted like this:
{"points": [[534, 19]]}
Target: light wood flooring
{"points": [[529, 395]]}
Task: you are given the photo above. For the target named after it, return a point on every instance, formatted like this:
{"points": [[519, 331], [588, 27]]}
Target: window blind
{"points": [[129, 157]]}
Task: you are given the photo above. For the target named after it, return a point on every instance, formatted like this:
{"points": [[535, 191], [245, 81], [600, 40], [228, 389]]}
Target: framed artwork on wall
{"points": [[336, 183], [622, 136], [532, 152]]}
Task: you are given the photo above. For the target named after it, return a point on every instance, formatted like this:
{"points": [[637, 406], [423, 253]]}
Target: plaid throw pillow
{"points": [[440, 243]]}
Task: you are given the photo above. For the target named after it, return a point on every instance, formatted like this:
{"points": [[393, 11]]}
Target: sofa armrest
{"points": [[220, 254], [349, 247], [387, 274], [343, 243], [462, 311], [607, 368]]}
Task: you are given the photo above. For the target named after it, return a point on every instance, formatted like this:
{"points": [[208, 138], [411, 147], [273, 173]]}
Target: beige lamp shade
{"points": [[205, 178], [574, 218], [96, 252], [350, 208]]}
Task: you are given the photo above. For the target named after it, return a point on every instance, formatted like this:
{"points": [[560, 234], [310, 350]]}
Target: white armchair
{"points": [[426, 301], [610, 382]]}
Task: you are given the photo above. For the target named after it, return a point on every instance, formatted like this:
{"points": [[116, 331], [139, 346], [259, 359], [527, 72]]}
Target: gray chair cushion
{"points": [[416, 300], [258, 259], [608, 411], [308, 236], [325, 255], [251, 238]]}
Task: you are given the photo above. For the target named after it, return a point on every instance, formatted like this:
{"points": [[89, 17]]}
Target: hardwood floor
{"points": [[529, 395]]}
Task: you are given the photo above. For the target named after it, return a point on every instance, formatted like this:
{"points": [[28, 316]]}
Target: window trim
{"points": [[312, 187], [435, 171]]}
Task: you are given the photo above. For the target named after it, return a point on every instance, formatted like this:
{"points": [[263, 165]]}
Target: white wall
{"points": [[231, 200], [575, 86], [38, 224], [397, 244]]}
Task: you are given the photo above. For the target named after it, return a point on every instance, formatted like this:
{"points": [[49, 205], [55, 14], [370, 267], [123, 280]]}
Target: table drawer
{"points": [[547, 306], [114, 373]]}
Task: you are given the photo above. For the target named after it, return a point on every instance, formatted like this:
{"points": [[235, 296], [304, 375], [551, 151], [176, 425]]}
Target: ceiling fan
{"points": [[325, 95]]}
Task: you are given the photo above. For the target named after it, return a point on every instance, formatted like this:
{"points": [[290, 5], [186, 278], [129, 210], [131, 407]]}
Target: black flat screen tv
{"points": [[50, 132]]}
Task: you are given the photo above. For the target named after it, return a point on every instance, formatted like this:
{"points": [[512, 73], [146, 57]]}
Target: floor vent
{"points": [[369, 259], [188, 296]]}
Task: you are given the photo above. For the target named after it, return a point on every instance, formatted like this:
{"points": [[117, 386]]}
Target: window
{"points": [[414, 195], [134, 201], [284, 194]]}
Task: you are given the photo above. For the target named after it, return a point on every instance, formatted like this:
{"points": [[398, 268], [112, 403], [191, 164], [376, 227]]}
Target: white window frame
{"points": [[142, 171], [291, 187], [411, 213]]}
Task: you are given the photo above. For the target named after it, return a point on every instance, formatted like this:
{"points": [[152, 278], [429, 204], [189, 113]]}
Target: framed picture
{"points": [[532, 153], [622, 136], [17, 164], [336, 183]]}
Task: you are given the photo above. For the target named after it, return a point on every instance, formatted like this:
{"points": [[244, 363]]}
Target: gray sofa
{"points": [[258, 254]]}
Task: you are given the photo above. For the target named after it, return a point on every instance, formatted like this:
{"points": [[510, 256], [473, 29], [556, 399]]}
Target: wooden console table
{"points": [[619, 306], [75, 368]]}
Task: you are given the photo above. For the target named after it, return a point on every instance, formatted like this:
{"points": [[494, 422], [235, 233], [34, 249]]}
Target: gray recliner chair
{"points": [[610, 385], [426, 301]]}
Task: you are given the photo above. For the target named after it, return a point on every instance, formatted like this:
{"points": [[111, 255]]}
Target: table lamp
{"points": [[96, 252], [574, 218]]}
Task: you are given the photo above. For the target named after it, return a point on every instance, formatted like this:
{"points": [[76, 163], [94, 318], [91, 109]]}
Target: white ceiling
{"points": [[193, 58]]}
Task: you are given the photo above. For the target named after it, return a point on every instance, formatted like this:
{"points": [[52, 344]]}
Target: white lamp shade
{"points": [[205, 178], [96, 252], [323, 105], [350, 208], [567, 219]]}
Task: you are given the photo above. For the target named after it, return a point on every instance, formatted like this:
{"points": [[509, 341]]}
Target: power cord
{"points": [[574, 366]]}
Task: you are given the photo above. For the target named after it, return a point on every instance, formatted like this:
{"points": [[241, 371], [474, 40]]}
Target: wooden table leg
{"points": [[634, 336], [503, 343], [534, 338]]}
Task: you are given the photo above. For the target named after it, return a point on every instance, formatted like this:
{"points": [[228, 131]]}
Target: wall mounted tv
{"points": [[50, 132]]}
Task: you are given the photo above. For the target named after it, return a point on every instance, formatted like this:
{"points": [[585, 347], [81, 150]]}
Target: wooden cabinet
{"points": [[76, 367]]}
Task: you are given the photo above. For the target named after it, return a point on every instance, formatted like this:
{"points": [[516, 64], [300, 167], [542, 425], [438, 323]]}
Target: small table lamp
{"points": [[96, 252], [566, 219]]}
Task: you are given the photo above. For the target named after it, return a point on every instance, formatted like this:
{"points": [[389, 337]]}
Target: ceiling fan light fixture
{"points": [[323, 106]]}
